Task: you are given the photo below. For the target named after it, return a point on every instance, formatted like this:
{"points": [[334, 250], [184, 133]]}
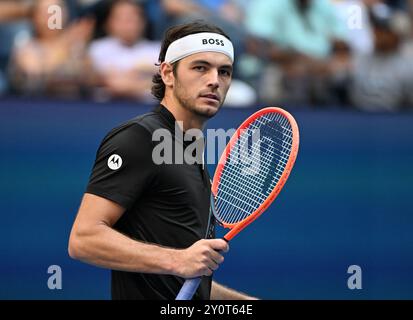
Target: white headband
{"points": [[199, 42]]}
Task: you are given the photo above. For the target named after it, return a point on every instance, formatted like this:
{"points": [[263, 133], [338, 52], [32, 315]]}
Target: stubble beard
{"points": [[189, 104]]}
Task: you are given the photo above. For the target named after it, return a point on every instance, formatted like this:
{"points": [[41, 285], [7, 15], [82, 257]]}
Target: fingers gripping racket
{"points": [[252, 171]]}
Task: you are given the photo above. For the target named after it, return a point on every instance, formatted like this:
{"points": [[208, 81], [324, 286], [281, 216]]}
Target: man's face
{"points": [[201, 82]]}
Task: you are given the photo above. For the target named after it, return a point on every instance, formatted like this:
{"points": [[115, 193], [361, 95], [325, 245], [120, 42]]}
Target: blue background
{"points": [[347, 202]]}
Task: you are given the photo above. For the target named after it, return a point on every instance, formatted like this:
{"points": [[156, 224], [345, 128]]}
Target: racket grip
{"points": [[188, 289]]}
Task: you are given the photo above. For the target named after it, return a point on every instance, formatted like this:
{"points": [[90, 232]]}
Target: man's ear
{"points": [[167, 74]]}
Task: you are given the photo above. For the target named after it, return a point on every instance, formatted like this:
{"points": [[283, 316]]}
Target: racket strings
{"points": [[254, 167], [263, 156]]}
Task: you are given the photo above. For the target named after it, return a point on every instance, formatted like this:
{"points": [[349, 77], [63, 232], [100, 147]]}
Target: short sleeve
{"points": [[123, 167]]}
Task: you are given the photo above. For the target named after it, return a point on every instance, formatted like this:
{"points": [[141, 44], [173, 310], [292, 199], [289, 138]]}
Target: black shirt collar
{"points": [[166, 115], [170, 121]]}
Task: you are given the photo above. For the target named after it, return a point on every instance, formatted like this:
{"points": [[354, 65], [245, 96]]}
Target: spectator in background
{"points": [[11, 15], [298, 44], [12, 10], [53, 62], [125, 60], [305, 26], [197, 9], [355, 15], [383, 80]]}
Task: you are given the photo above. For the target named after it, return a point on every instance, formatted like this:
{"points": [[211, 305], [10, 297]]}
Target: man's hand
{"points": [[200, 259]]}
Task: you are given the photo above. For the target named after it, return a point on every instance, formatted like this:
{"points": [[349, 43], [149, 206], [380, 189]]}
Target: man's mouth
{"points": [[211, 96]]}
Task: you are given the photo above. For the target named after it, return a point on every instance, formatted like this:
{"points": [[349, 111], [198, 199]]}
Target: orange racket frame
{"points": [[237, 227]]}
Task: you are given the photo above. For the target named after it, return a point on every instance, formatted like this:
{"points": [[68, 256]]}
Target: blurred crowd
{"points": [[296, 53]]}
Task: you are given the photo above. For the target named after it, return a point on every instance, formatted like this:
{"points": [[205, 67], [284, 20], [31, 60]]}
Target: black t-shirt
{"points": [[166, 204]]}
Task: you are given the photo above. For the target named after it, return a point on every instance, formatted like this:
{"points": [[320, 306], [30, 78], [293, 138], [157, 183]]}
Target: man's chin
{"points": [[207, 110]]}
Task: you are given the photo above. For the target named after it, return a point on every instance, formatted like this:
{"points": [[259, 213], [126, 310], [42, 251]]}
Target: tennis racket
{"points": [[250, 174]]}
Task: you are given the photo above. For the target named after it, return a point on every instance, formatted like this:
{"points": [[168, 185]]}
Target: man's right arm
{"points": [[94, 241]]}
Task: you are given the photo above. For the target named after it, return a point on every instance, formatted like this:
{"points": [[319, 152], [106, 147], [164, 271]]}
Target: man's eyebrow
{"points": [[201, 62], [225, 66]]}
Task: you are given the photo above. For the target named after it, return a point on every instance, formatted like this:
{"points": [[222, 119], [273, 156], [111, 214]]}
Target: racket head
{"points": [[276, 149]]}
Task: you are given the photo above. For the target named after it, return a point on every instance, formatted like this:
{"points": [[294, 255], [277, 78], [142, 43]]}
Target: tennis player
{"points": [[150, 223]]}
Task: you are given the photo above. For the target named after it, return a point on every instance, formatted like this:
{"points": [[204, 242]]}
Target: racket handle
{"points": [[188, 289]]}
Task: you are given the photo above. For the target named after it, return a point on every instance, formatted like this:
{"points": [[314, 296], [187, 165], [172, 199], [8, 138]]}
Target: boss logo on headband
{"points": [[213, 41]]}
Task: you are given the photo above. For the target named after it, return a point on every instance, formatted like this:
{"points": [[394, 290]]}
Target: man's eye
{"points": [[225, 73], [199, 68]]}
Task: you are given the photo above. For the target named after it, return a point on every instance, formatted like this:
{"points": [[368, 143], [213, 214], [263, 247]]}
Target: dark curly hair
{"points": [[175, 33]]}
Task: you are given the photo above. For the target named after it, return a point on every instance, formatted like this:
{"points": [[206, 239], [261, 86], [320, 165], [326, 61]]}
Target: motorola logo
{"points": [[114, 162]]}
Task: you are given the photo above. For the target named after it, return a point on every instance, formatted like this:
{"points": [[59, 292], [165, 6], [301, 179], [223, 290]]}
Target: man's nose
{"points": [[213, 79]]}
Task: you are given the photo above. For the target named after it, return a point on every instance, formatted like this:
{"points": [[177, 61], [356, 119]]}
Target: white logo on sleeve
{"points": [[114, 162]]}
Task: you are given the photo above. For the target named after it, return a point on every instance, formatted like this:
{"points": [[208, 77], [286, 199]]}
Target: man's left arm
{"points": [[220, 292]]}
